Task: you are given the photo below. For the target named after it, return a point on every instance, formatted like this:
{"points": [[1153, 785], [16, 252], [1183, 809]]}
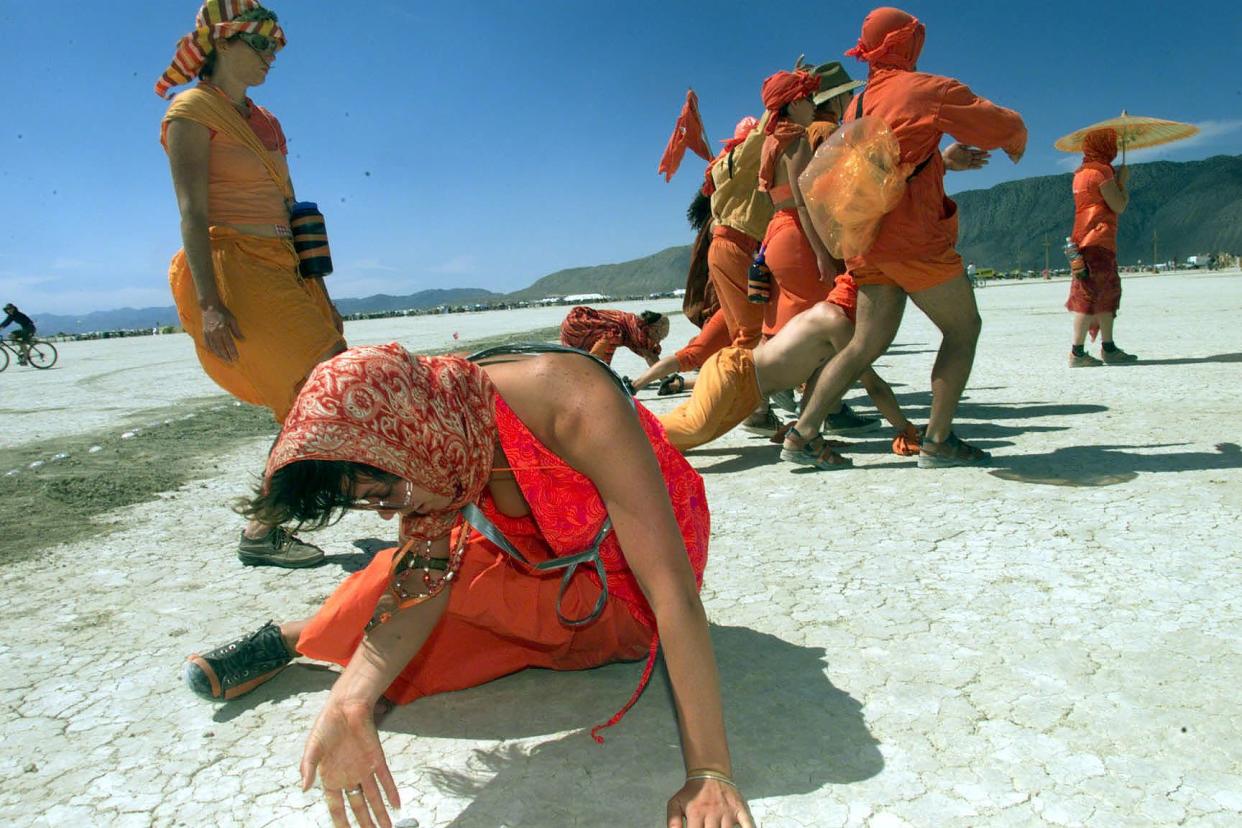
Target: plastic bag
{"points": [[853, 180]]}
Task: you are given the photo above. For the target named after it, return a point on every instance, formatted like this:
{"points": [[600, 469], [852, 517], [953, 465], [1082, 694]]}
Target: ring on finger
{"points": [[354, 791]]}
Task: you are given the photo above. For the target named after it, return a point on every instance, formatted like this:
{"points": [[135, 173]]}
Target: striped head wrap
{"points": [[216, 20]]}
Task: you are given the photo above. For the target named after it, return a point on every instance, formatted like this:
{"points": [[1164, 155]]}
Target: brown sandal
{"points": [[816, 452], [951, 452]]}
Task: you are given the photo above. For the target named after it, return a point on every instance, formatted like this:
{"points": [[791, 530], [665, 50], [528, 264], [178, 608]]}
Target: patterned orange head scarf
{"points": [[891, 39], [429, 420], [780, 90], [216, 21], [1100, 147]]}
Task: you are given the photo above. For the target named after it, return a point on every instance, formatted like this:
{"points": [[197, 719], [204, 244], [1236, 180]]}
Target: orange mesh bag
{"points": [[853, 180]]}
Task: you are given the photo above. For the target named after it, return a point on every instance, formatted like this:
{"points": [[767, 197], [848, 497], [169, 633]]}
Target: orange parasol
{"points": [[1133, 132]]}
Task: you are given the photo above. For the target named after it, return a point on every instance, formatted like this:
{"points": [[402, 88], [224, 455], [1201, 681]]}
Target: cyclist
{"points": [[25, 330]]}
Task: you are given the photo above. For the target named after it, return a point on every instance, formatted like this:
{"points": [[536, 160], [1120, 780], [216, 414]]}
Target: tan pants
{"points": [[725, 393]]}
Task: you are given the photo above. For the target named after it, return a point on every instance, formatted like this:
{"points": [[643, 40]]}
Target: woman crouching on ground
{"points": [[546, 456]]}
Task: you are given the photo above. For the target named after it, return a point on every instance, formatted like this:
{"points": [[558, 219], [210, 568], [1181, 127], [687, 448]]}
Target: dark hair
{"points": [[258, 14], [649, 318], [699, 213], [315, 493]]}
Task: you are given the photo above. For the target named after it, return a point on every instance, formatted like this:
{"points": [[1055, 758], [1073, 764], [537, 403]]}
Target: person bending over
{"points": [[497, 470], [601, 332]]}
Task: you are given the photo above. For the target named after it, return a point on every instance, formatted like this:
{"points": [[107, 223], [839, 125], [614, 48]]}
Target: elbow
{"points": [[193, 220], [680, 602]]}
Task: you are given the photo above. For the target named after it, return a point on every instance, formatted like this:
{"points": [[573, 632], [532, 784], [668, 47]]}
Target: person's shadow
{"points": [[790, 732], [355, 561], [1224, 358], [1109, 465]]}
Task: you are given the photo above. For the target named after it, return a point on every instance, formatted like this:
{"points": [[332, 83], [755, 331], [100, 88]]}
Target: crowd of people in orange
{"points": [[546, 517]]}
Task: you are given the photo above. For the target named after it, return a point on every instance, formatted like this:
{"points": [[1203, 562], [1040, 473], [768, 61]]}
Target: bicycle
{"points": [[39, 352]]}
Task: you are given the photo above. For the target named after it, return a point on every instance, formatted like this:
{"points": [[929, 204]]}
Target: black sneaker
{"points": [[279, 547], [846, 421], [239, 666]]}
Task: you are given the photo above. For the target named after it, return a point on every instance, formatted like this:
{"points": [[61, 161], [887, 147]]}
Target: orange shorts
{"points": [[845, 295], [911, 275]]}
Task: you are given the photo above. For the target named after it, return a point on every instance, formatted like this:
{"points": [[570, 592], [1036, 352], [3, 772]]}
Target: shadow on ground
{"points": [[763, 453], [1110, 465], [791, 732], [1186, 360]]}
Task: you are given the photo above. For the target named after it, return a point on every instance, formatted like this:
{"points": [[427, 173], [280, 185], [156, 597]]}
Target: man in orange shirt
{"points": [[913, 254], [1099, 197]]}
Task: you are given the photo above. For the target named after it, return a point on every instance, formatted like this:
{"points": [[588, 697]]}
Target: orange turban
{"points": [[780, 90], [784, 88], [1100, 146], [890, 39]]}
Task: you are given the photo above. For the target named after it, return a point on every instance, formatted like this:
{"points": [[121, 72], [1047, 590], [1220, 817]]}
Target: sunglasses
{"points": [[262, 44]]}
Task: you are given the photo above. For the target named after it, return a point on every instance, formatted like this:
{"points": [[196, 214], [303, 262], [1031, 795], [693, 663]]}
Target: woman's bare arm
{"points": [[795, 161], [596, 431], [1115, 196], [189, 154]]}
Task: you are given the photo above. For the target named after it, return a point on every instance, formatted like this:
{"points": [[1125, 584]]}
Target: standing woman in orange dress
{"points": [[258, 325], [1100, 196]]}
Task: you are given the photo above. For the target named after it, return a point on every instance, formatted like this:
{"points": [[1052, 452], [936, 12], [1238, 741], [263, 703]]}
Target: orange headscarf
{"points": [[429, 420], [779, 90], [891, 39], [1100, 147], [215, 21]]}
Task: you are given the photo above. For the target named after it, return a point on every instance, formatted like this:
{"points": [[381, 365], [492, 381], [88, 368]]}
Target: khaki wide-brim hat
{"points": [[833, 81]]}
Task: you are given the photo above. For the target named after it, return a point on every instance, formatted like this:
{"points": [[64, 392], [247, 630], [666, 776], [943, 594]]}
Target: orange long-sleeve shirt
{"points": [[921, 109]]}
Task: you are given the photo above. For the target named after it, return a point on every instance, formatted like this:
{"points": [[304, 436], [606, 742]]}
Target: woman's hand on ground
{"points": [[708, 803], [219, 331], [343, 749]]}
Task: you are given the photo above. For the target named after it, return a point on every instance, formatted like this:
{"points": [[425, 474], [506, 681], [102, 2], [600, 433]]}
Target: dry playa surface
{"points": [[1053, 640]]}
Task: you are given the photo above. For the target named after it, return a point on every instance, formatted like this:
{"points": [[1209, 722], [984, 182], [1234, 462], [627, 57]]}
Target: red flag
{"points": [[688, 133]]}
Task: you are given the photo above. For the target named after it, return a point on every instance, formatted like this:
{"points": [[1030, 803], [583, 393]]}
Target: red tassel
{"points": [[638, 691]]}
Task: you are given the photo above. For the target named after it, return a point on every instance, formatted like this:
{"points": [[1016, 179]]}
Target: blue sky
{"points": [[489, 143]]}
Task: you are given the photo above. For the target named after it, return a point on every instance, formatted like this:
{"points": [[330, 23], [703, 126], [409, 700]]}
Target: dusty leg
{"points": [[951, 308], [1082, 324], [1105, 321], [880, 308]]}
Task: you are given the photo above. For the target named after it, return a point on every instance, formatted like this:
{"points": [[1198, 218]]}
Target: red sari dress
{"points": [[502, 614]]}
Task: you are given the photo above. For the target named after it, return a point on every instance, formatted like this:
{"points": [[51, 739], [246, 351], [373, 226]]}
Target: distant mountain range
{"points": [[1190, 207]]}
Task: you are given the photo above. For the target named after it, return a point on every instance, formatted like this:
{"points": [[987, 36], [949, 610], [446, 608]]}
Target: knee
{"points": [[966, 331]]}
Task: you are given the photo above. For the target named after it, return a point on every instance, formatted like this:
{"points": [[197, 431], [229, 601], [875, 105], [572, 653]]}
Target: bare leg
{"points": [[291, 631], [951, 308], [1105, 321], [880, 308], [1082, 324]]}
